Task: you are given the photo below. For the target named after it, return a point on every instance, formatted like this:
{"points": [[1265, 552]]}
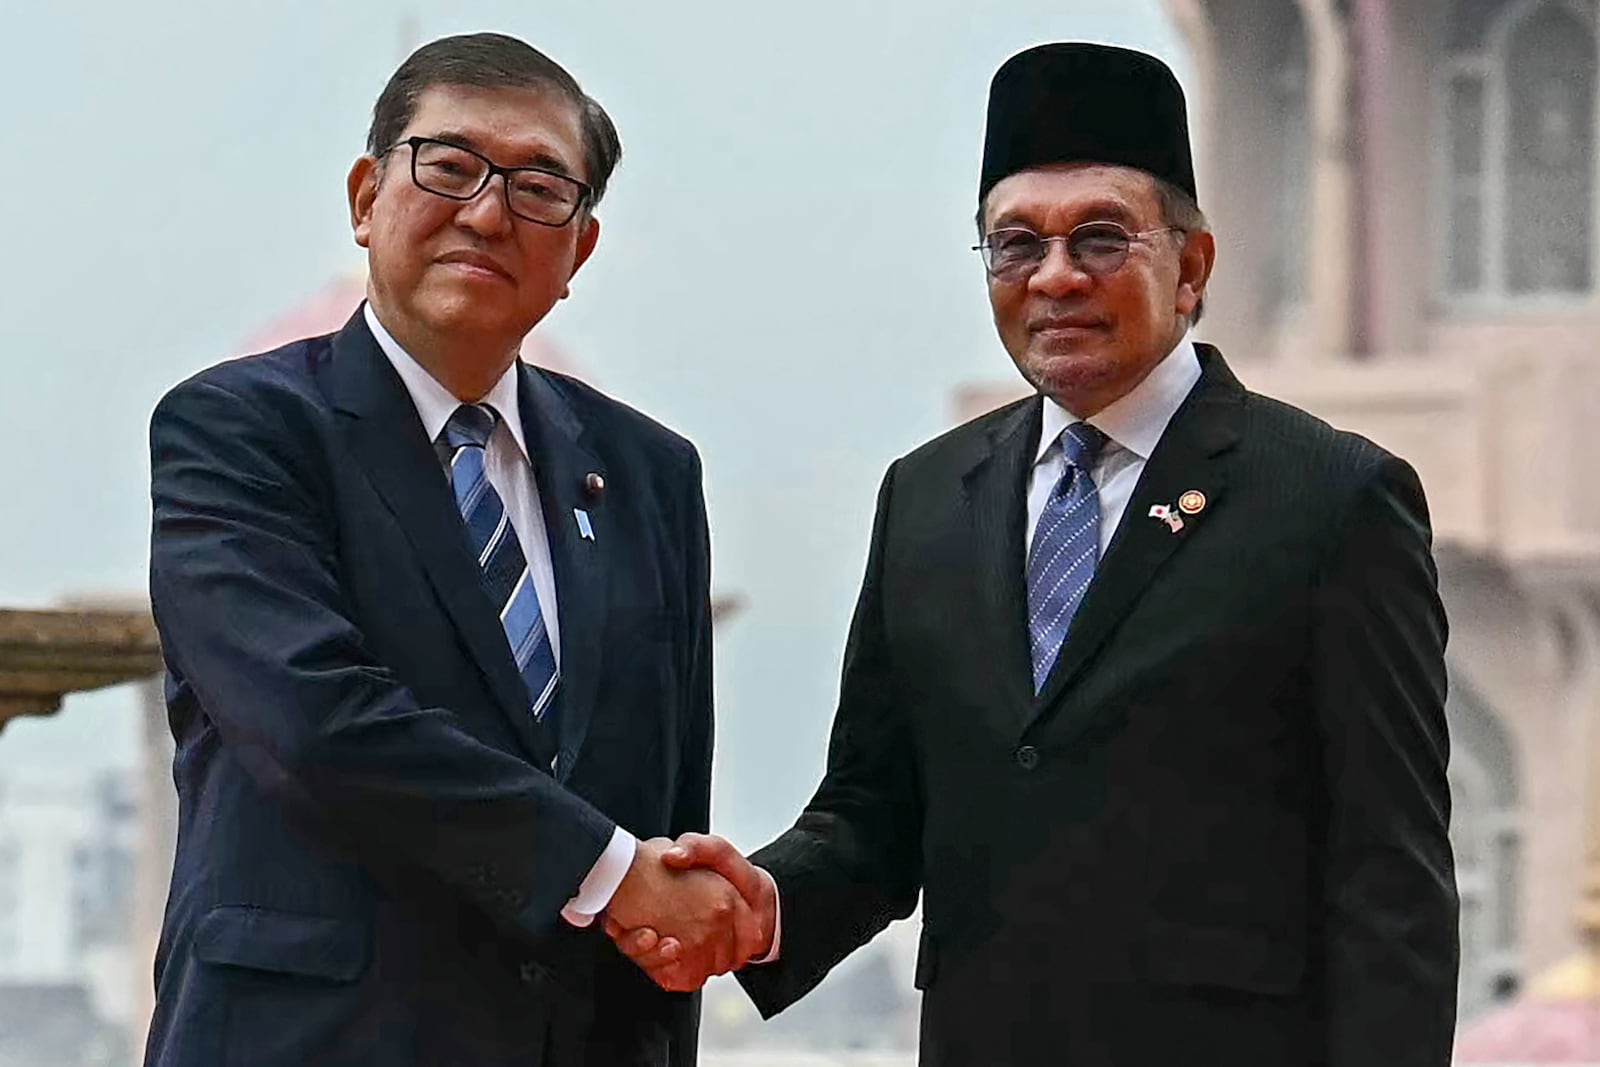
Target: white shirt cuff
{"points": [[603, 879], [777, 919]]}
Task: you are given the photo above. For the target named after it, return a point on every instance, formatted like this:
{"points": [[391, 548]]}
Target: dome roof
{"points": [[1557, 1020], [326, 310]]}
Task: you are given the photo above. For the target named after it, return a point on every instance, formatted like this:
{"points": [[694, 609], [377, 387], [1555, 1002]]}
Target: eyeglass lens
{"points": [[459, 174], [1095, 248]]}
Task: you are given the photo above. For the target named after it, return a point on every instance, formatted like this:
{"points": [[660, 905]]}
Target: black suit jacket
{"points": [[1219, 835], [372, 848]]}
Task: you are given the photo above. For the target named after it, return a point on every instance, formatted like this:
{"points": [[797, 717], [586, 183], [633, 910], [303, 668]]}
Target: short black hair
{"points": [[492, 61]]}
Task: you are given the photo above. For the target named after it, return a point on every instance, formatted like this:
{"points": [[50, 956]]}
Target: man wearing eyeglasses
{"points": [[1145, 688], [438, 637]]}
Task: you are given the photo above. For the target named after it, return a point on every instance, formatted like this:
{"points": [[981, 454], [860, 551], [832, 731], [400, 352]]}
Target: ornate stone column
{"points": [[1333, 229], [1189, 18], [1579, 611]]}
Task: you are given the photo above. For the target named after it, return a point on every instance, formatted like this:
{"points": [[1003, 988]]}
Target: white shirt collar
{"points": [[435, 404], [1136, 421]]}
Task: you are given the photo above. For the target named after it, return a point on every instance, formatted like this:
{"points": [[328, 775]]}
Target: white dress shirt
{"points": [[510, 471], [1132, 425]]}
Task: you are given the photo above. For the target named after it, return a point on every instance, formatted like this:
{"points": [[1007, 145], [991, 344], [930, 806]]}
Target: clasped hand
{"points": [[691, 909]]}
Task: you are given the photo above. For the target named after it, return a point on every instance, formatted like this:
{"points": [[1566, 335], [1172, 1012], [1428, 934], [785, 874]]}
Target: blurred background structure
{"points": [[1405, 195]]}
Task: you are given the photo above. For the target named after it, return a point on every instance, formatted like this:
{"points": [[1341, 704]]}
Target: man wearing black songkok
{"points": [[1145, 687]]}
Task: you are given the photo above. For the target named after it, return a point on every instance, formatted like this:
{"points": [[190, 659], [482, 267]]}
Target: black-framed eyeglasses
{"points": [[532, 193], [1096, 248]]}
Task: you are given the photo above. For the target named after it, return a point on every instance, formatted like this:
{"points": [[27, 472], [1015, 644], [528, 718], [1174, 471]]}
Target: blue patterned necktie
{"points": [[502, 568], [1066, 548]]}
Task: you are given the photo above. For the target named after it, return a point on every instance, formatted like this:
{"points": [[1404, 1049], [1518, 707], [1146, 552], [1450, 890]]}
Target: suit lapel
{"points": [[1190, 458], [996, 491], [563, 458], [388, 440]]}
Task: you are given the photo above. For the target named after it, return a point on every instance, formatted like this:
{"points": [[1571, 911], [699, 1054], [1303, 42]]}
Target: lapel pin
{"points": [[1192, 503], [585, 530], [594, 484], [1167, 514]]}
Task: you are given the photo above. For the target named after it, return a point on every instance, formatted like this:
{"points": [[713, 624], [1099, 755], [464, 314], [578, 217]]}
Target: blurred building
{"points": [[66, 956], [781, 1058], [865, 1012], [1404, 196]]}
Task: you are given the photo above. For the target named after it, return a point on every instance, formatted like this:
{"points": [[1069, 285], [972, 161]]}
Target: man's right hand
{"points": [[704, 924], [660, 954]]}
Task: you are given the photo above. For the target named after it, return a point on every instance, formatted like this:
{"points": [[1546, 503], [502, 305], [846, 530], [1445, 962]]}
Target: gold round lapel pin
{"points": [[1192, 503]]}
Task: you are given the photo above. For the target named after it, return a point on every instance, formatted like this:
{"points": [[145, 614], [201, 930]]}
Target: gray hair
{"points": [[1180, 211]]}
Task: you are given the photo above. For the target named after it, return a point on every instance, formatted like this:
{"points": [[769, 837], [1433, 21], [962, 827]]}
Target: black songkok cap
{"points": [[1086, 103]]}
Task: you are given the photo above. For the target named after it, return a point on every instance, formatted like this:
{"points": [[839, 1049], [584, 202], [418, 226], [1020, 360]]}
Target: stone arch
{"points": [[1485, 831]]}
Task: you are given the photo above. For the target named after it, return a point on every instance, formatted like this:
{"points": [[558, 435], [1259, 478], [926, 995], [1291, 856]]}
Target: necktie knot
{"points": [[1081, 444], [470, 424]]}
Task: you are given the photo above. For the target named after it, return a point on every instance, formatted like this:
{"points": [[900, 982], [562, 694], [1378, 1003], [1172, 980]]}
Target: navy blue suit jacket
{"points": [[372, 849]]}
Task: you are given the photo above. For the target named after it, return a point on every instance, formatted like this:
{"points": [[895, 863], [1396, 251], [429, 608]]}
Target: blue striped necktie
{"points": [[502, 568], [1066, 548]]}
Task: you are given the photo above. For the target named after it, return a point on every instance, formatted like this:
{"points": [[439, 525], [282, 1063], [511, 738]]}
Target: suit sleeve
{"points": [[1390, 903], [691, 810], [244, 582], [852, 863]]}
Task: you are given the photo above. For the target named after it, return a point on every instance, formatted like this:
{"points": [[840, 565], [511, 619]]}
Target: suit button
{"points": [[1027, 757]]}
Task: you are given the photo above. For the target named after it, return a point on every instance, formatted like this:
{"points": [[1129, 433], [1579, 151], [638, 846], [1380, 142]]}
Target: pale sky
{"points": [[783, 276]]}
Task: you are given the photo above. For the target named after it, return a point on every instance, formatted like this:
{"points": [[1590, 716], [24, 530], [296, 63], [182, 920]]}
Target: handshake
{"points": [[690, 909]]}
